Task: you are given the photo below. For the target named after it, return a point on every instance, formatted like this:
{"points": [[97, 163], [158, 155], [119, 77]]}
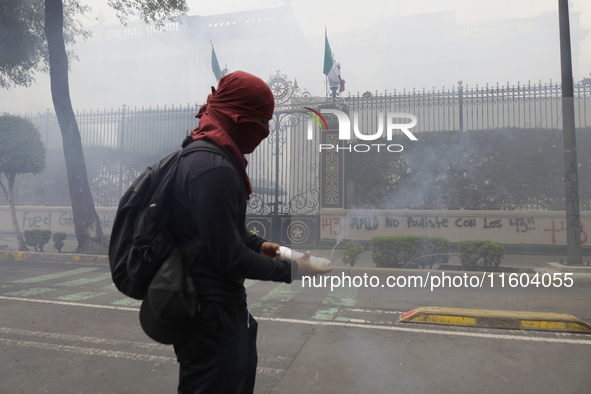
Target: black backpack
{"points": [[141, 241]]}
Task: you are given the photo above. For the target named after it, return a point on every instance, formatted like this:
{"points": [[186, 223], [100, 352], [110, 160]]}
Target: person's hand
{"points": [[305, 268], [270, 249]]}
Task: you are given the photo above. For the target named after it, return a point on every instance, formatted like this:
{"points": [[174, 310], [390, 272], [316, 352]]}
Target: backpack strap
{"points": [[204, 145]]}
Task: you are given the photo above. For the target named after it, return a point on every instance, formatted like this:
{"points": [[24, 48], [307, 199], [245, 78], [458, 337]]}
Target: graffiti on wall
{"points": [[510, 230], [554, 229], [55, 220]]}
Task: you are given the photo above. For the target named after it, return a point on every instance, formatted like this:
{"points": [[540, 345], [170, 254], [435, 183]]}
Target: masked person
{"points": [[218, 354]]}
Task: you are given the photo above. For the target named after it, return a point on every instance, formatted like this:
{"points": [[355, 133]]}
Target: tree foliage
{"points": [[21, 152], [21, 148], [23, 47], [151, 11], [105, 166], [53, 34]]}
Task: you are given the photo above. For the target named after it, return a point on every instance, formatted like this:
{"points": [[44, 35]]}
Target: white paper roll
{"points": [[287, 254]]}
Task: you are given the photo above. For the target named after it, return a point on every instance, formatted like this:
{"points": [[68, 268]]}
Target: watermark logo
{"points": [[310, 126], [391, 122]]}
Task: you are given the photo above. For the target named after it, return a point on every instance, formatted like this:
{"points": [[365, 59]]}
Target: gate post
{"points": [[332, 166], [461, 104], [121, 146]]}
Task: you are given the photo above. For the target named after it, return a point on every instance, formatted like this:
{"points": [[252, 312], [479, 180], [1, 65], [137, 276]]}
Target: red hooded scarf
{"points": [[226, 117]]}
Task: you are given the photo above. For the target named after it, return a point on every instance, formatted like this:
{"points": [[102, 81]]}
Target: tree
{"points": [[57, 24], [23, 48], [86, 221], [21, 152]]}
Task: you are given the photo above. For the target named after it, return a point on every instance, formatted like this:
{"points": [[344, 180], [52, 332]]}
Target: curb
{"points": [[512, 320], [56, 257]]}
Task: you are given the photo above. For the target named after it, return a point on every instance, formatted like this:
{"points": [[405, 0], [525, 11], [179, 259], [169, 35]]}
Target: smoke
{"points": [[380, 46], [486, 169]]}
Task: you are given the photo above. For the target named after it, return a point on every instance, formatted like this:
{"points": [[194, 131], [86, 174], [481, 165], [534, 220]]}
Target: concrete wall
{"points": [[53, 218], [507, 227]]}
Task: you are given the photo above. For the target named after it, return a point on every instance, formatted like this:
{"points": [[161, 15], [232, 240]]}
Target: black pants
{"points": [[221, 355]]}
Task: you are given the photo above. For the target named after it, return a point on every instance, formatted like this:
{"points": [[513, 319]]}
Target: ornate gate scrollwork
{"points": [[279, 191]]}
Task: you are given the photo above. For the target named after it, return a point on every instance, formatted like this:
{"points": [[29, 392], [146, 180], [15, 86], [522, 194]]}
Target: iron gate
{"points": [[284, 172]]}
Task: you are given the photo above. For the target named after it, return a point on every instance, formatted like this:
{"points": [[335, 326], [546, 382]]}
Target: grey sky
{"points": [[366, 69], [313, 15], [339, 16]]}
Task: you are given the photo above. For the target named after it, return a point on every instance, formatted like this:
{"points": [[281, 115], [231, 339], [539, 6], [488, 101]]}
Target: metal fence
{"points": [[118, 145], [496, 110], [144, 134], [148, 130], [464, 108]]}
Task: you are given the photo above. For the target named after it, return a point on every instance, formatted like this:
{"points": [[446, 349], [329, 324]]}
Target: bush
{"points": [[399, 250], [472, 252], [37, 238], [352, 252], [58, 240]]}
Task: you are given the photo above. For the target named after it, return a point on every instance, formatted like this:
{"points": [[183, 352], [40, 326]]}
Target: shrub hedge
{"points": [[398, 250], [58, 240], [472, 252], [37, 238], [352, 252]]}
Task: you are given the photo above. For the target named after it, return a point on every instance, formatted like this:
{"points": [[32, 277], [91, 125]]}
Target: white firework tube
{"points": [[287, 254]]}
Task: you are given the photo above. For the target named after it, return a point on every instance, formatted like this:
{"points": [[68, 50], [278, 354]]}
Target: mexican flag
{"points": [[215, 66], [331, 68]]}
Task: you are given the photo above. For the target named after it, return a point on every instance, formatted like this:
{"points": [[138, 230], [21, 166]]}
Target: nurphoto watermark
{"points": [[390, 119], [441, 281]]}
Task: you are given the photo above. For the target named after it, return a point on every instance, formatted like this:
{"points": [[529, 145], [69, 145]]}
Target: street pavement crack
{"points": [[294, 358]]}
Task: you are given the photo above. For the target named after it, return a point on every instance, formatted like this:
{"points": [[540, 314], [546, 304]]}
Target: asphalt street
{"points": [[64, 328]]}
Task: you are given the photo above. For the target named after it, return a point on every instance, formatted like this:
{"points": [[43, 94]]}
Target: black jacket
{"points": [[209, 199]]}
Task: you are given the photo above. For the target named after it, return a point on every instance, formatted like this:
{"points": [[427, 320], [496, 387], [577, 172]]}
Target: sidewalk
{"points": [[365, 259], [522, 263]]}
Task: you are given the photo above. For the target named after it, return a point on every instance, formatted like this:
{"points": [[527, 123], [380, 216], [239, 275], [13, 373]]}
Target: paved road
{"points": [[65, 329]]}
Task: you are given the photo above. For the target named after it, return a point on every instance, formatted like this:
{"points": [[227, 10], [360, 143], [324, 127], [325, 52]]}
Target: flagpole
{"points": [[326, 83], [215, 66]]}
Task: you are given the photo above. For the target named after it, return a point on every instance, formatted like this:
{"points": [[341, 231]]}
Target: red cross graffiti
{"points": [[555, 230]]}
